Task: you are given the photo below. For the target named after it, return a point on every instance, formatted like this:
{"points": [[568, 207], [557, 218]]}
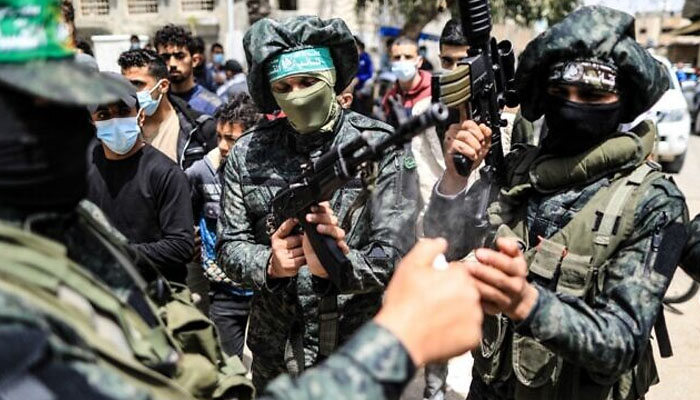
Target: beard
{"points": [[176, 77]]}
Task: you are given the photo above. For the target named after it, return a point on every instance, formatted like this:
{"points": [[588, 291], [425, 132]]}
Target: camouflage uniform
{"points": [[372, 365], [609, 334], [259, 165], [380, 226], [73, 324], [600, 339], [51, 355], [77, 319]]}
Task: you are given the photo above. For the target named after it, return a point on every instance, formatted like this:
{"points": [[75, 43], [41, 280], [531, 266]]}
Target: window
{"points": [[94, 7], [143, 6], [288, 5], [197, 5]]}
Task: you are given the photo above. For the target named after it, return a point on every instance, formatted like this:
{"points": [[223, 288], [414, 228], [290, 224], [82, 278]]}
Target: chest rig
{"points": [[571, 262], [163, 345]]}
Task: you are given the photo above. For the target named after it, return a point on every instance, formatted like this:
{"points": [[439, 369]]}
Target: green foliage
{"points": [[529, 11], [524, 12]]}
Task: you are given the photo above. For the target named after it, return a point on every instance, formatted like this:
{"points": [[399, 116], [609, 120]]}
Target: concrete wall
{"points": [[213, 25]]}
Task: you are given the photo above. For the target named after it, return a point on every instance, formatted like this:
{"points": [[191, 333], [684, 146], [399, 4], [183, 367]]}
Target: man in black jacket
{"points": [[144, 194], [169, 123]]}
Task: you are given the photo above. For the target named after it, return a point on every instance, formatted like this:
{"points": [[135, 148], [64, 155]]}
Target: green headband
{"points": [[298, 62], [32, 30]]}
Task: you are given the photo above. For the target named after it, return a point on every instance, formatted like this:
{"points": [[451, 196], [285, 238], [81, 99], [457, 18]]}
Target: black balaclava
{"points": [[575, 127], [43, 163]]}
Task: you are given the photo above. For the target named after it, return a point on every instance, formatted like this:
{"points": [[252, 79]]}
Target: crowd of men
{"points": [[131, 202]]}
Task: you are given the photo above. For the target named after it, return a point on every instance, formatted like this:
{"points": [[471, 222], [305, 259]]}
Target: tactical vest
{"points": [[38, 272], [572, 262], [177, 357]]}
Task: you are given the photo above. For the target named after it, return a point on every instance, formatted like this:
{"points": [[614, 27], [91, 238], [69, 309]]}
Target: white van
{"points": [[673, 121]]}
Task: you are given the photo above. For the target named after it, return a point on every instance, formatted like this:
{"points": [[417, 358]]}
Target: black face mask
{"points": [[43, 153], [575, 127]]}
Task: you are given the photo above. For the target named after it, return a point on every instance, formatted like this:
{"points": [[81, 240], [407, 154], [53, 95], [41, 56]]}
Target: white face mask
{"points": [[404, 70], [146, 102]]}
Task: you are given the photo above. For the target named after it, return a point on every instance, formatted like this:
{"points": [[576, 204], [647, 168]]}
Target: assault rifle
{"points": [[479, 87], [330, 172]]}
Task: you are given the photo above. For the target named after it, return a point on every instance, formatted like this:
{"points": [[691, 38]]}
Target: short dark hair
{"points": [[197, 45], [240, 109], [233, 66], [131, 39], [174, 36], [404, 40], [452, 34], [84, 46], [216, 45], [144, 58]]}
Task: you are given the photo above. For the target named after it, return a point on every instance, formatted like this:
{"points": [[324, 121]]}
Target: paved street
{"points": [[679, 373]]}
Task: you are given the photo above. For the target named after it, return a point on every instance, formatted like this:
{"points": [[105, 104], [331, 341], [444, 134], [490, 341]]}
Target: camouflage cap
{"points": [[268, 38], [37, 56], [598, 34]]}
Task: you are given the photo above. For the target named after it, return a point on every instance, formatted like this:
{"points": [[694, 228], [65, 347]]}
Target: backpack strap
{"points": [[586, 243], [609, 221]]}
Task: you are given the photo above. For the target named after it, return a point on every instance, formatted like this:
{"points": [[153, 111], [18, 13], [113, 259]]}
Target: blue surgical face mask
{"points": [[148, 105], [218, 58], [118, 134], [404, 70]]}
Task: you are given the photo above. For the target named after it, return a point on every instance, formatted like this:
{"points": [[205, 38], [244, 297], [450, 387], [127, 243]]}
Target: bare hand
{"points": [[327, 224], [435, 313], [470, 140], [501, 279], [287, 252]]}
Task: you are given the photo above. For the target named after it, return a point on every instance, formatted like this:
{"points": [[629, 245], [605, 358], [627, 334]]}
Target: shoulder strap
{"points": [[609, 222], [574, 258], [608, 218]]}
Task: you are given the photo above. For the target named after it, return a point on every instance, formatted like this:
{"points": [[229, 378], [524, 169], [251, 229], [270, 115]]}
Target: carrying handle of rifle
{"points": [[327, 250], [463, 164]]}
